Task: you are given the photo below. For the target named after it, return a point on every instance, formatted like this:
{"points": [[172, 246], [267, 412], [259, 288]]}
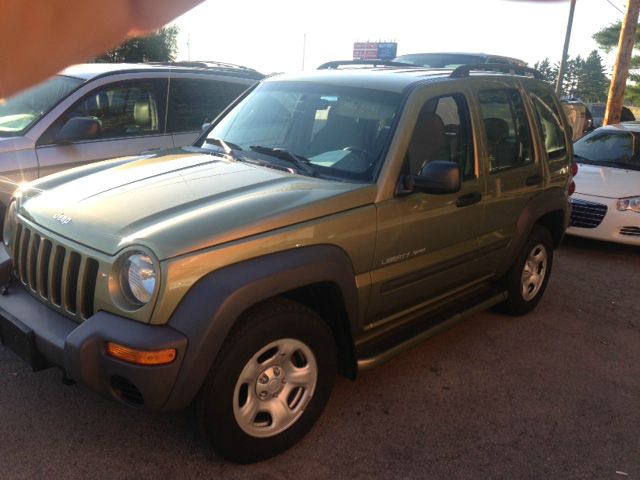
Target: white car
{"points": [[606, 204]]}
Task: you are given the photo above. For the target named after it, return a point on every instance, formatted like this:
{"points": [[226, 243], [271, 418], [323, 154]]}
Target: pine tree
{"points": [[547, 71], [607, 38]]}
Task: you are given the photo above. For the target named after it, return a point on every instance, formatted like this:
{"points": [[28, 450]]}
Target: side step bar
{"points": [[379, 352]]}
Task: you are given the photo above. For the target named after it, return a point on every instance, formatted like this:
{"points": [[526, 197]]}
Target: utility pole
{"points": [[623, 60], [304, 48], [565, 49]]}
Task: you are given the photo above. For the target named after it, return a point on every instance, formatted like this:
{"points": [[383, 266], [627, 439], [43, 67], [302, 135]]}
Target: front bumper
{"points": [[43, 337], [615, 226]]}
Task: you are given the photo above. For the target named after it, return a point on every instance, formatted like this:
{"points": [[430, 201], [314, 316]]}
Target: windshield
{"points": [[440, 60], [338, 131], [18, 113], [609, 148]]}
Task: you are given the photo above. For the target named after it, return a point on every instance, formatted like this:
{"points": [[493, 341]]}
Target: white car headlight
{"points": [[9, 226], [139, 277], [630, 203]]}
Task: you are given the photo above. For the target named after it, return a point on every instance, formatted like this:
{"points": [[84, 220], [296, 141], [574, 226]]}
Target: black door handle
{"points": [[534, 180], [468, 199]]}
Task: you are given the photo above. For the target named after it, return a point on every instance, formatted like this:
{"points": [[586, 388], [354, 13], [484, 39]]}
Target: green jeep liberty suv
{"points": [[324, 222]]}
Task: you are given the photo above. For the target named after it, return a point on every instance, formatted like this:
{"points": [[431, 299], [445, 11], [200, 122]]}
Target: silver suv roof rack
{"points": [[213, 65]]}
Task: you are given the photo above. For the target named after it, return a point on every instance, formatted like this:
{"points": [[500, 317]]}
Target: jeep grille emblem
{"points": [[62, 218]]}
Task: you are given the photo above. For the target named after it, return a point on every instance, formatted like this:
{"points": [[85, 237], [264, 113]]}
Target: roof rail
{"points": [[334, 65], [465, 70], [214, 65]]}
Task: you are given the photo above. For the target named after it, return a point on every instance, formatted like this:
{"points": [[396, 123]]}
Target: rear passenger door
{"points": [[132, 118], [512, 167], [426, 245], [196, 101]]}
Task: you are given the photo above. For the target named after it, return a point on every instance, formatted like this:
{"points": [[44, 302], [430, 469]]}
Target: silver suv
{"points": [[95, 111]]}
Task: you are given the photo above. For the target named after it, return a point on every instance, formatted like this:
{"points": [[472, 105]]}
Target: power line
{"points": [[614, 6]]}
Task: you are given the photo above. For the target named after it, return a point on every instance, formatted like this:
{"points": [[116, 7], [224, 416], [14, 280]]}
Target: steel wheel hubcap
{"points": [[274, 387], [534, 272]]}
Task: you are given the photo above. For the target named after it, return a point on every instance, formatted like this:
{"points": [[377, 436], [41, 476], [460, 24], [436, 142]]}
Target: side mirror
{"points": [[79, 128], [438, 177]]}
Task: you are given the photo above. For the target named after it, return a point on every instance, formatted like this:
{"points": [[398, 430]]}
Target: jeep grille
{"points": [[54, 273], [586, 214]]}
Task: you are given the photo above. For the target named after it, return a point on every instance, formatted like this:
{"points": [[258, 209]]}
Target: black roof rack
{"points": [[214, 65], [334, 65], [465, 70]]}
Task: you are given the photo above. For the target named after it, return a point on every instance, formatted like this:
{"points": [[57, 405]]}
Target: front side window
{"points": [[193, 102], [608, 148], [506, 128], [19, 113], [127, 109], [549, 122], [442, 132], [338, 131]]}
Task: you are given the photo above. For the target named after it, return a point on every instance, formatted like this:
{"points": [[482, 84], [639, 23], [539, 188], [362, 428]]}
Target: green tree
{"points": [[160, 46], [549, 74], [607, 39], [583, 78], [594, 84]]}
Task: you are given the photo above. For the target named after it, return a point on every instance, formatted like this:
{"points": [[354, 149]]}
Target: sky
{"points": [[286, 35]]}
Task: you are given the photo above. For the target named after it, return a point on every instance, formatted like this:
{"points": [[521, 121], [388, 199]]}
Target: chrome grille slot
{"points": [[32, 261], [56, 274], [22, 255], [56, 281], [43, 269], [89, 278], [586, 214], [631, 231], [70, 286]]}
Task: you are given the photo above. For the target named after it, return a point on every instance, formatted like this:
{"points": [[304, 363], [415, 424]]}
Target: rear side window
{"points": [[549, 122], [193, 102], [507, 129]]}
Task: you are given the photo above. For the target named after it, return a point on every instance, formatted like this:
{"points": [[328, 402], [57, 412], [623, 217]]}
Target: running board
{"points": [[379, 352]]}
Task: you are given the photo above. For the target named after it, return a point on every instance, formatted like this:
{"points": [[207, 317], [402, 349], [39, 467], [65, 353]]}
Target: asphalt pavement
{"points": [[551, 395]]}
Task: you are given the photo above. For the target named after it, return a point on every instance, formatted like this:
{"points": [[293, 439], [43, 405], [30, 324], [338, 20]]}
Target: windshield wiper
{"points": [[301, 163], [226, 146]]}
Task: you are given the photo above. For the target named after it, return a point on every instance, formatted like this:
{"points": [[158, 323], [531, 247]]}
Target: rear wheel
{"points": [[529, 275], [270, 382]]}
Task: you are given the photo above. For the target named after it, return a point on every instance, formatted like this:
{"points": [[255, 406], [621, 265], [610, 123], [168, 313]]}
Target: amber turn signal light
{"points": [[141, 357]]}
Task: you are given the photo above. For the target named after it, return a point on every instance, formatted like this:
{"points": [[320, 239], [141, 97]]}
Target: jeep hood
{"points": [[178, 203], [608, 182]]}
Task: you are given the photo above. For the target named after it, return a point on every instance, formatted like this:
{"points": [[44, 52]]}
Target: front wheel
{"points": [[270, 382], [528, 277]]}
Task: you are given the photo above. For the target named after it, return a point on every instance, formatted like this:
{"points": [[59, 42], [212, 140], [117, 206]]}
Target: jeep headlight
{"points": [[9, 226], [139, 277], [630, 203]]}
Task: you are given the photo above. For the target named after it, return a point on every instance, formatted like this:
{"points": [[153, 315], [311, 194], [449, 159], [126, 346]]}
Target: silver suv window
{"points": [[18, 113]]}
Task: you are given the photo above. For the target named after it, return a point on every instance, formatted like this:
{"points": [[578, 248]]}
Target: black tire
{"points": [[281, 325], [524, 295]]}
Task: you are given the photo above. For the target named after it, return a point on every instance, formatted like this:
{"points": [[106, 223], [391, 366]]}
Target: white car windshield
{"points": [[19, 113], [609, 148]]}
